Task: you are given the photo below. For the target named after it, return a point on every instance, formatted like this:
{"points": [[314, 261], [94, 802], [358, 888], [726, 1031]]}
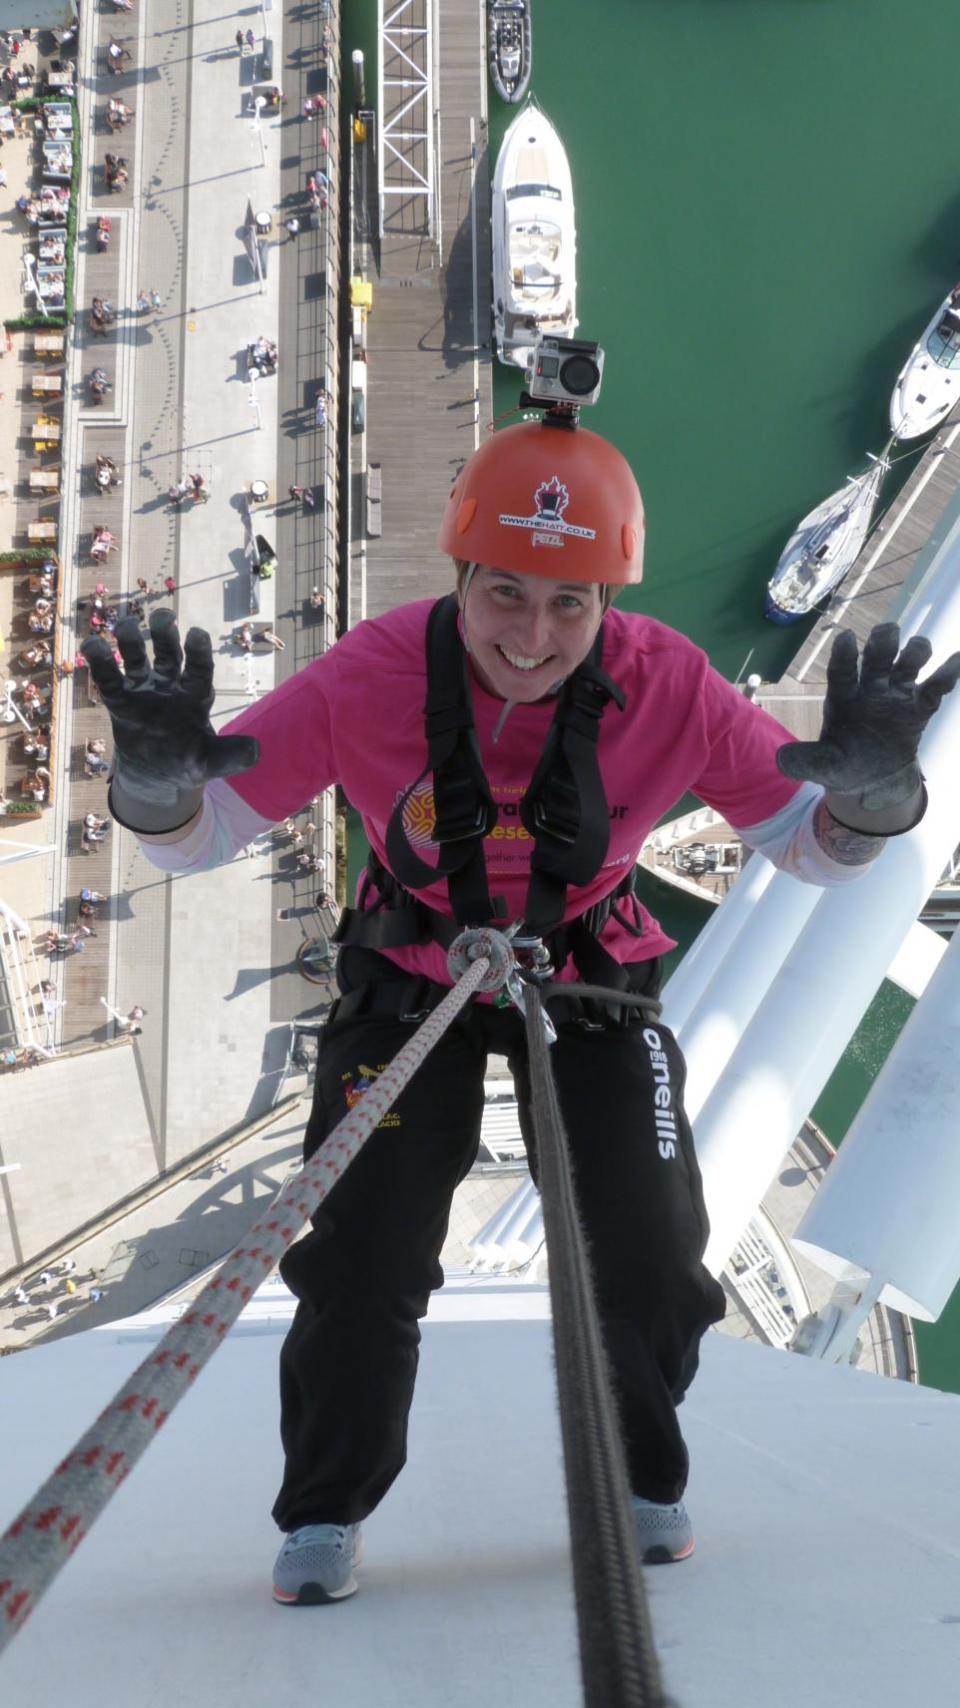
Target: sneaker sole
{"points": [[314, 1594], [661, 1556]]}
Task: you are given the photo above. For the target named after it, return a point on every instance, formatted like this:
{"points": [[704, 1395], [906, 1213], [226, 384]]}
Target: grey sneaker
{"points": [[316, 1564], [664, 1532]]}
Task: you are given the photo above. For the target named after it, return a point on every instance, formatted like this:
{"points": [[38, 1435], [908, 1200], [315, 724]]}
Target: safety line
{"points": [[53, 1524], [618, 1658]]}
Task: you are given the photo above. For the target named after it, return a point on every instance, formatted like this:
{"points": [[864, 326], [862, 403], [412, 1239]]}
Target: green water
{"points": [[767, 213]]}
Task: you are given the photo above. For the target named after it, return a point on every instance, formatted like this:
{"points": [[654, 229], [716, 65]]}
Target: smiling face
{"points": [[524, 633]]}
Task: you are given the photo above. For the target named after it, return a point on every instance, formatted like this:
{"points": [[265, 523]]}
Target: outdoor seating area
{"points": [[28, 659]]}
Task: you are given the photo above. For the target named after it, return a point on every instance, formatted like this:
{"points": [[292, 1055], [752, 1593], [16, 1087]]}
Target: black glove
{"points": [[866, 757], [165, 749]]}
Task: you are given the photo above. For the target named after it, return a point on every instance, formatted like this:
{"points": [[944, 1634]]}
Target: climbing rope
{"points": [[618, 1658], [53, 1524]]}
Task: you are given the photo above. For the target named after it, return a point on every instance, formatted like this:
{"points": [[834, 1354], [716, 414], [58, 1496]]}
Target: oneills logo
{"points": [[663, 1106], [547, 524]]}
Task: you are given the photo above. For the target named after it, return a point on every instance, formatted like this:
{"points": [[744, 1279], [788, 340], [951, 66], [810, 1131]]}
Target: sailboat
{"points": [[824, 546], [534, 239], [509, 47]]}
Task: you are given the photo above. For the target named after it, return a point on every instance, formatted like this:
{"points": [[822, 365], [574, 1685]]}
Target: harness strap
{"points": [[399, 920], [565, 808], [464, 809]]}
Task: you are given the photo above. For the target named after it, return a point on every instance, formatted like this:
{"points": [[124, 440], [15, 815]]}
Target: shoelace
{"points": [[296, 1536]]}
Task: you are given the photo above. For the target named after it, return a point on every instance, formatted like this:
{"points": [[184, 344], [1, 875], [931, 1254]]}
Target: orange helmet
{"points": [[552, 501]]}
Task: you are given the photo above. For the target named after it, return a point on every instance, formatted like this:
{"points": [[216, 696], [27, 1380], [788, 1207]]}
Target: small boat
{"points": [[534, 239], [929, 382], [509, 47], [824, 546]]}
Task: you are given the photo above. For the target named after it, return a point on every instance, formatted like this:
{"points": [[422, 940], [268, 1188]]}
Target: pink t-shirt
{"points": [[355, 717]]}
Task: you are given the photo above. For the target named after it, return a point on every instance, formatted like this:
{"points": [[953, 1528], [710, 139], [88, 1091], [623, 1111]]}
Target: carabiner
{"points": [[517, 995]]}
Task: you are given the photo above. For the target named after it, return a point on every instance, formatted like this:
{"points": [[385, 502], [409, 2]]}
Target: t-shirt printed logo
{"points": [[356, 1085], [419, 814], [551, 499]]}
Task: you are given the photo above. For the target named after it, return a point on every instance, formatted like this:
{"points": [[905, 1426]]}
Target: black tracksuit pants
{"points": [[364, 1275]]}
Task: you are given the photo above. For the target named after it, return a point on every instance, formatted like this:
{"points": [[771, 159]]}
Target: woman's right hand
{"points": [[165, 748]]}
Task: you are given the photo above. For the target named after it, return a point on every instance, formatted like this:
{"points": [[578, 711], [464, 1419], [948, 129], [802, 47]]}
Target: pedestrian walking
{"points": [[272, 639], [52, 1310], [71, 1286], [21, 1295], [238, 38], [155, 302], [129, 1023], [94, 766], [143, 302], [320, 411], [293, 226], [318, 601], [308, 108], [250, 39], [67, 1265], [96, 1294], [170, 584], [46, 1278]]}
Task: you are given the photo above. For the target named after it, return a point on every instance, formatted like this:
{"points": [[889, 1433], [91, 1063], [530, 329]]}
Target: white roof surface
{"points": [[826, 1505]]}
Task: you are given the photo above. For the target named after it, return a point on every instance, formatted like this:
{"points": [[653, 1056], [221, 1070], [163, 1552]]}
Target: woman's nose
{"points": [[536, 632]]}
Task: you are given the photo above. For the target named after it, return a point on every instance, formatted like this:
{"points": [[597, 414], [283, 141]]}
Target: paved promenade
{"points": [[206, 956]]}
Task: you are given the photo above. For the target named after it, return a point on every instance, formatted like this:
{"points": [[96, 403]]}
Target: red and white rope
{"points": [[48, 1530]]}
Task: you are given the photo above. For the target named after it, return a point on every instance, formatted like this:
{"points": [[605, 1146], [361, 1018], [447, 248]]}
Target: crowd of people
{"points": [[102, 612], [57, 1286]]}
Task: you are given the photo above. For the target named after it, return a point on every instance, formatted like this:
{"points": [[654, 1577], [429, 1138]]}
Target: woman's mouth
{"points": [[520, 661]]}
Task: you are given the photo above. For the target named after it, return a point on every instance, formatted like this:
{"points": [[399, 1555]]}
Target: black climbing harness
{"points": [[564, 809]]}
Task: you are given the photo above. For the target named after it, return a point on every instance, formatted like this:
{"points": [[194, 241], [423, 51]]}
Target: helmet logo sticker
{"points": [[551, 499]]}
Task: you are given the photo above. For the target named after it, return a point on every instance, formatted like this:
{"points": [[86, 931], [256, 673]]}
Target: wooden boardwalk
{"points": [[428, 327], [892, 556]]}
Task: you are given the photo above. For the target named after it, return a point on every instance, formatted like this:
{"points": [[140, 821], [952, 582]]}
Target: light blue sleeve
{"points": [[788, 841], [226, 824]]}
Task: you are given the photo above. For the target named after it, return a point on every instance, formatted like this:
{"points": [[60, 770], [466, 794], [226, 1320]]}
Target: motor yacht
{"points": [[929, 382], [534, 239]]}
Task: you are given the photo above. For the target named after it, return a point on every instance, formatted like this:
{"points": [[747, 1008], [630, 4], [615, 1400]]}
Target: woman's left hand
{"points": [[874, 715]]}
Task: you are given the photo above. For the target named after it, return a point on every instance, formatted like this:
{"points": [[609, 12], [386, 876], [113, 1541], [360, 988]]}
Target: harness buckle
{"points": [[531, 963], [459, 814]]}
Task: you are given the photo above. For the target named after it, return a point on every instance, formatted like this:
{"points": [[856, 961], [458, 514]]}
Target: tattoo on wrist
{"points": [[846, 847]]}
